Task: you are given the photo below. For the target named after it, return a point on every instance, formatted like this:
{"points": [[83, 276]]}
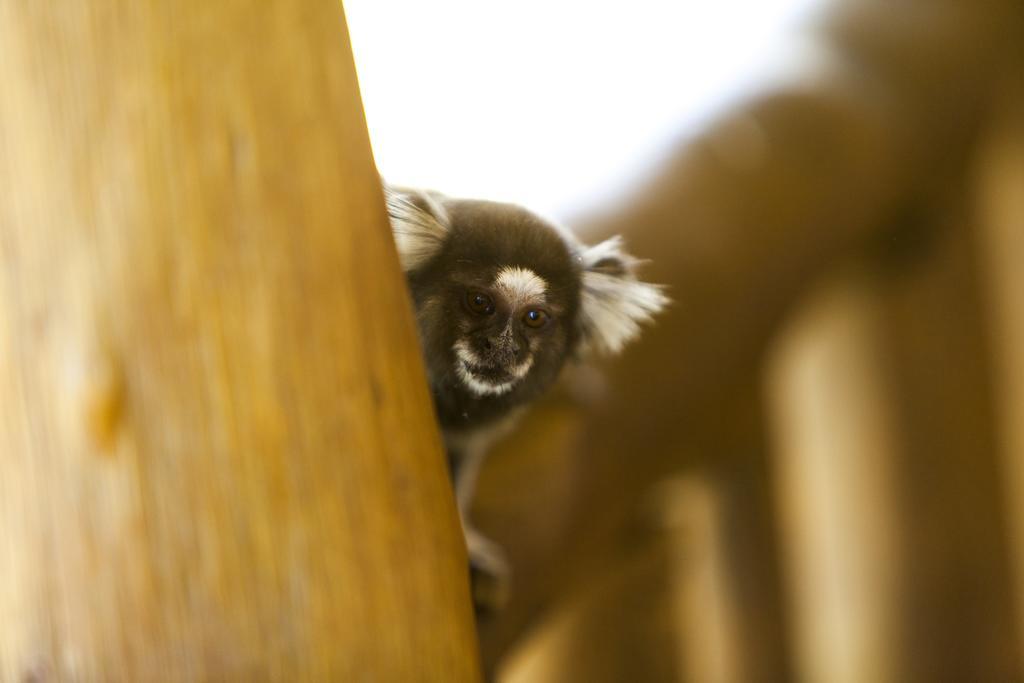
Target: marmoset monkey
{"points": [[503, 299]]}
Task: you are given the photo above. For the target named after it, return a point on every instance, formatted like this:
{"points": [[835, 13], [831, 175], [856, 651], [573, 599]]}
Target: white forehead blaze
{"points": [[520, 285]]}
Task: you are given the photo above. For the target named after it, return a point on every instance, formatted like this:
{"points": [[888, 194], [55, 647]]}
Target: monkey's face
{"points": [[505, 325], [504, 298], [497, 304]]}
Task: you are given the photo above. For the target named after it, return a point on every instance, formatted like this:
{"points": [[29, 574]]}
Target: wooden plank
{"points": [[218, 459]]}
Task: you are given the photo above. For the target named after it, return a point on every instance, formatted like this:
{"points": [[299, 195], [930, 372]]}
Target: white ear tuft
{"points": [[419, 225], [614, 303]]}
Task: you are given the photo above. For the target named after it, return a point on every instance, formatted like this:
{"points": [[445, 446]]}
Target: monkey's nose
{"points": [[501, 351]]}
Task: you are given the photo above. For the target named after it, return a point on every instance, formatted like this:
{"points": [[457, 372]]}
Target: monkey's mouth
{"points": [[489, 373], [483, 379]]}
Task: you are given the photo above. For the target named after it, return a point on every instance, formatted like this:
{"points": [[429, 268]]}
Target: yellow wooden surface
{"points": [[217, 455]]}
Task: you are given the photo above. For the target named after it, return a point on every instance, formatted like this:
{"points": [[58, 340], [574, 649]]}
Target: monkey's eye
{"points": [[535, 318], [479, 303]]}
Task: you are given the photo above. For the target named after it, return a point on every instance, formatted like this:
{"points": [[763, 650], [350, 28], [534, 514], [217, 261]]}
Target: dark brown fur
{"points": [[483, 238], [452, 250]]}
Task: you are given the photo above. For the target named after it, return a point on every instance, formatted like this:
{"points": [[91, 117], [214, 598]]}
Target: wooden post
{"points": [[1000, 210], [957, 617], [894, 514], [217, 454]]}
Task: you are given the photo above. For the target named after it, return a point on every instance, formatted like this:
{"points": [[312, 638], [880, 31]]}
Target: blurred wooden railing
{"points": [[218, 459], [810, 468]]}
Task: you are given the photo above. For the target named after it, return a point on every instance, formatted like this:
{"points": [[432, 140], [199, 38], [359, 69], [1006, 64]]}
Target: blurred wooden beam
{"points": [[835, 442], [1000, 210], [217, 453], [659, 551], [742, 474], [891, 480], [954, 618], [621, 625], [830, 157]]}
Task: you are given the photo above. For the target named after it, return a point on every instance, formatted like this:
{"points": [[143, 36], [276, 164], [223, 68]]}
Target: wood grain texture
{"points": [[217, 453]]}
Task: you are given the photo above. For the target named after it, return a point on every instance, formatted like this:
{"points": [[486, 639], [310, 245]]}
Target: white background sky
{"points": [[548, 102]]}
